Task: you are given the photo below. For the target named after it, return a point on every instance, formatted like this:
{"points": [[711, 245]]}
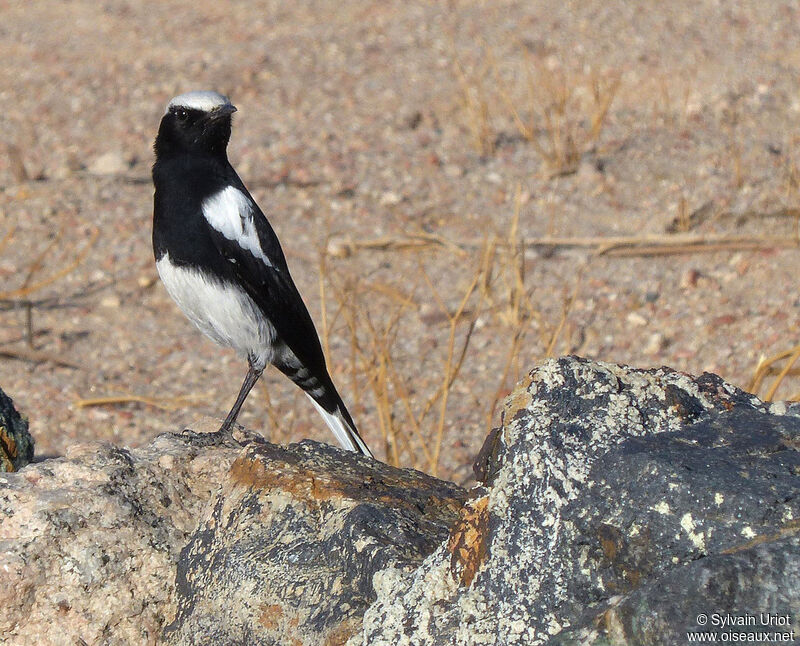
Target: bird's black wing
{"points": [[255, 260], [242, 235]]}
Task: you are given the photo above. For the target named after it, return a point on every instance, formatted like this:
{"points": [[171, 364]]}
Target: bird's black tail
{"points": [[327, 401]]}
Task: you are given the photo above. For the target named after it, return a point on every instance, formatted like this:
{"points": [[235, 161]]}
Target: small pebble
{"points": [[634, 318], [390, 198], [656, 342], [690, 278], [110, 163]]}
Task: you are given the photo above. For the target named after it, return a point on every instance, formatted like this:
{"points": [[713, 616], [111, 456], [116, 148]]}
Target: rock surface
{"points": [[743, 581], [16, 443], [89, 542], [286, 551], [702, 520], [618, 505], [621, 503]]}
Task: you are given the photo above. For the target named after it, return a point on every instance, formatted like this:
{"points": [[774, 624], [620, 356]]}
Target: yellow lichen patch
{"points": [[662, 508], [8, 450], [697, 538], [248, 472], [293, 479], [270, 616], [609, 546], [520, 399], [314, 483], [341, 633], [633, 576], [468, 539]]}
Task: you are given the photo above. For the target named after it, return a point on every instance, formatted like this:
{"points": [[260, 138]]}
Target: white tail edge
{"points": [[348, 437]]}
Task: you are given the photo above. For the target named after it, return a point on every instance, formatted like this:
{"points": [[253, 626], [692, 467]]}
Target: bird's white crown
{"points": [[204, 100]]}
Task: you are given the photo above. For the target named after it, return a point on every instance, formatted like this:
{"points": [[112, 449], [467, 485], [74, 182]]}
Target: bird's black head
{"points": [[195, 122]]}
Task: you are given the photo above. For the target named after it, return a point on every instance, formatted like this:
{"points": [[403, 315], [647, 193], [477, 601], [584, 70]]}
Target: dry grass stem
{"points": [[278, 424], [38, 356], [27, 289], [475, 103], [7, 238], [38, 262], [391, 380], [646, 245], [517, 310], [770, 366], [404, 403], [163, 403], [564, 314], [553, 117], [450, 369]]}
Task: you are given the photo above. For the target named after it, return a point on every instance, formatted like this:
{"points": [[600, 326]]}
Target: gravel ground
{"points": [[375, 120]]}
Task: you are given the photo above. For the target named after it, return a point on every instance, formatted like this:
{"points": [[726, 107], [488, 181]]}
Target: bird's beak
{"points": [[223, 111]]}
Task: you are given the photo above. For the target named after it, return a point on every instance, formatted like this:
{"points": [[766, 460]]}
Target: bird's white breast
{"points": [[221, 311]]}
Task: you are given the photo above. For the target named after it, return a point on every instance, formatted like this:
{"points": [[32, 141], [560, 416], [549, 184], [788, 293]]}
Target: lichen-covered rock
{"points": [[618, 505], [89, 542], [608, 489], [756, 582], [286, 551], [16, 444]]}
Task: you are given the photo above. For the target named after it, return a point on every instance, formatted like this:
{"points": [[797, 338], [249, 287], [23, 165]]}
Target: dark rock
{"points": [[16, 443], [487, 456], [661, 500], [287, 550], [621, 504], [756, 582]]}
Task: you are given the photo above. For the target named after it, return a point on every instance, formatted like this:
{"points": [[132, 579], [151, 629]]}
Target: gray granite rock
{"points": [[610, 488], [287, 549], [89, 541], [618, 506]]}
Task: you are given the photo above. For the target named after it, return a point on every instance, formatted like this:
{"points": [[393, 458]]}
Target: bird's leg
{"points": [[250, 380]]}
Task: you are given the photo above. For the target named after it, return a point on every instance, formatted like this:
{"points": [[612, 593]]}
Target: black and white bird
{"points": [[221, 262]]}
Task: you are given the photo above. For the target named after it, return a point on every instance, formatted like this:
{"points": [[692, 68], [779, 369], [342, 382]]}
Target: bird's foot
{"points": [[224, 437]]}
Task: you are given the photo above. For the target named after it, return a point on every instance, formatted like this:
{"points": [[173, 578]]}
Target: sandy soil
{"points": [[375, 120]]}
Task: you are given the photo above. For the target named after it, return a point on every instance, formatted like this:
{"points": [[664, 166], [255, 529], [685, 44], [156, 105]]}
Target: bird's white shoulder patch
{"points": [[205, 100], [231, 213]]}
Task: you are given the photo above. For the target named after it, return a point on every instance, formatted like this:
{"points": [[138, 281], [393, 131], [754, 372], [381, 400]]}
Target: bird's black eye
{"points": [[181, 114]]}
